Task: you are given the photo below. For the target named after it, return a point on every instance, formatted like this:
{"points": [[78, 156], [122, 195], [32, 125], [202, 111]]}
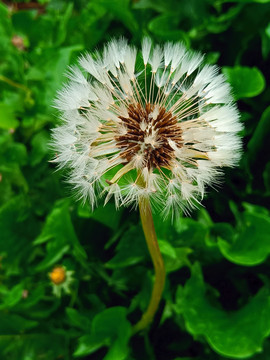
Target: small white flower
{"points": [[162, 132]]}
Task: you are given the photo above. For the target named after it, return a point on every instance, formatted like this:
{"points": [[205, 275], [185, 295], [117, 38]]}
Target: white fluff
{"points": [[93, 113], [156, 59], [146, 48]]}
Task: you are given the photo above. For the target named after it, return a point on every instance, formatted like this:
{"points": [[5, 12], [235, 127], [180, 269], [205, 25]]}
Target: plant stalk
{"points": [[153, 247]]}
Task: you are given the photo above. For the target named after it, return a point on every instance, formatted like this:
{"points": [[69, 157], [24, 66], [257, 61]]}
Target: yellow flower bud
{"points": [[58, 275]]}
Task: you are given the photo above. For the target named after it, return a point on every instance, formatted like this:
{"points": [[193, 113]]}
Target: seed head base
{"points": [[148, 132]]}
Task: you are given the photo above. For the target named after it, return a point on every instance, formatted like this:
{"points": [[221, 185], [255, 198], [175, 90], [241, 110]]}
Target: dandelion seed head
{"points": [[162, 133]]}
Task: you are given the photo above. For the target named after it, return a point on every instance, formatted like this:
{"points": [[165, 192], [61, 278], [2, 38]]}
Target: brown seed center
{"points": [[147, 133]]}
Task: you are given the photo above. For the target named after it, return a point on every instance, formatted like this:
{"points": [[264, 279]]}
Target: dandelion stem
{"points": [[152, 244]]}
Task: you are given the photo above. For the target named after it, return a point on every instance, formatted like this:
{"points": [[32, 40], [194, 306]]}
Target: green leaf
{"points": [[12, 297], [130, 250], [250, 245], [60, 236], [194, 234], [237, 334], [34, 296], [33, 346], [165, 28], [17, 228], [53, 64], [7, 117], [167, 249], [174, 258], [245, 81], [40, 147], [266, 41], [89, 344], [121, 10], [62, 28], [16, 153], [259, 141], [157, 5], [109, 328], [107, 215], [77, 319], [14, 324], [180, 259]]}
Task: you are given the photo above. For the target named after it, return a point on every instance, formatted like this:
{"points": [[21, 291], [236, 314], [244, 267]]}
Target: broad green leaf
{"points": [[109, 328], [88, 344], [219, 24], [222, 230], [174, 258], [167, 249], [194, 235], [180, 260], [236, 334], [255, 209], [165, 28], [250, 245], [130, 250], [245, 81], [7, 117], [60, 236]]}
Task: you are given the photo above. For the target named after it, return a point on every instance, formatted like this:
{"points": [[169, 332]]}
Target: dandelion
{"points": [[61, 279], [152, 129], [161, 126]]}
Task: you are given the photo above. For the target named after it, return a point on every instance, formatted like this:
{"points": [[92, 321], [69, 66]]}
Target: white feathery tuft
{"points": [[146, 48], [163, 133]]}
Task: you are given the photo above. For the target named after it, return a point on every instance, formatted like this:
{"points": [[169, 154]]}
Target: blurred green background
{"points": [[216, 303]]}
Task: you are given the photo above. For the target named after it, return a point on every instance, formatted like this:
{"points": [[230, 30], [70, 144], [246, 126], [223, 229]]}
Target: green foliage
{"points": [[216, 301], [237, 334], [243, 247], [105, 333], [246, 82]]}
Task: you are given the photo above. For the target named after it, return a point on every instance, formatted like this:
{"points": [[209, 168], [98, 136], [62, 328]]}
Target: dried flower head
{"points": [[160, 125]]}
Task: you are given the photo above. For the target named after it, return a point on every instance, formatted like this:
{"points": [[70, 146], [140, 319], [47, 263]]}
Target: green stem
{"points": [[152, 244], [14, 84]]}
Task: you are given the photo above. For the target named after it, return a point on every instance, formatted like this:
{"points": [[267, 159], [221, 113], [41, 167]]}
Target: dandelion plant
{"points": [[152, 129]]}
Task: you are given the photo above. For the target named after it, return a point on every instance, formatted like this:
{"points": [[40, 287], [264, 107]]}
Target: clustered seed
{"points": [[163, 127]]}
